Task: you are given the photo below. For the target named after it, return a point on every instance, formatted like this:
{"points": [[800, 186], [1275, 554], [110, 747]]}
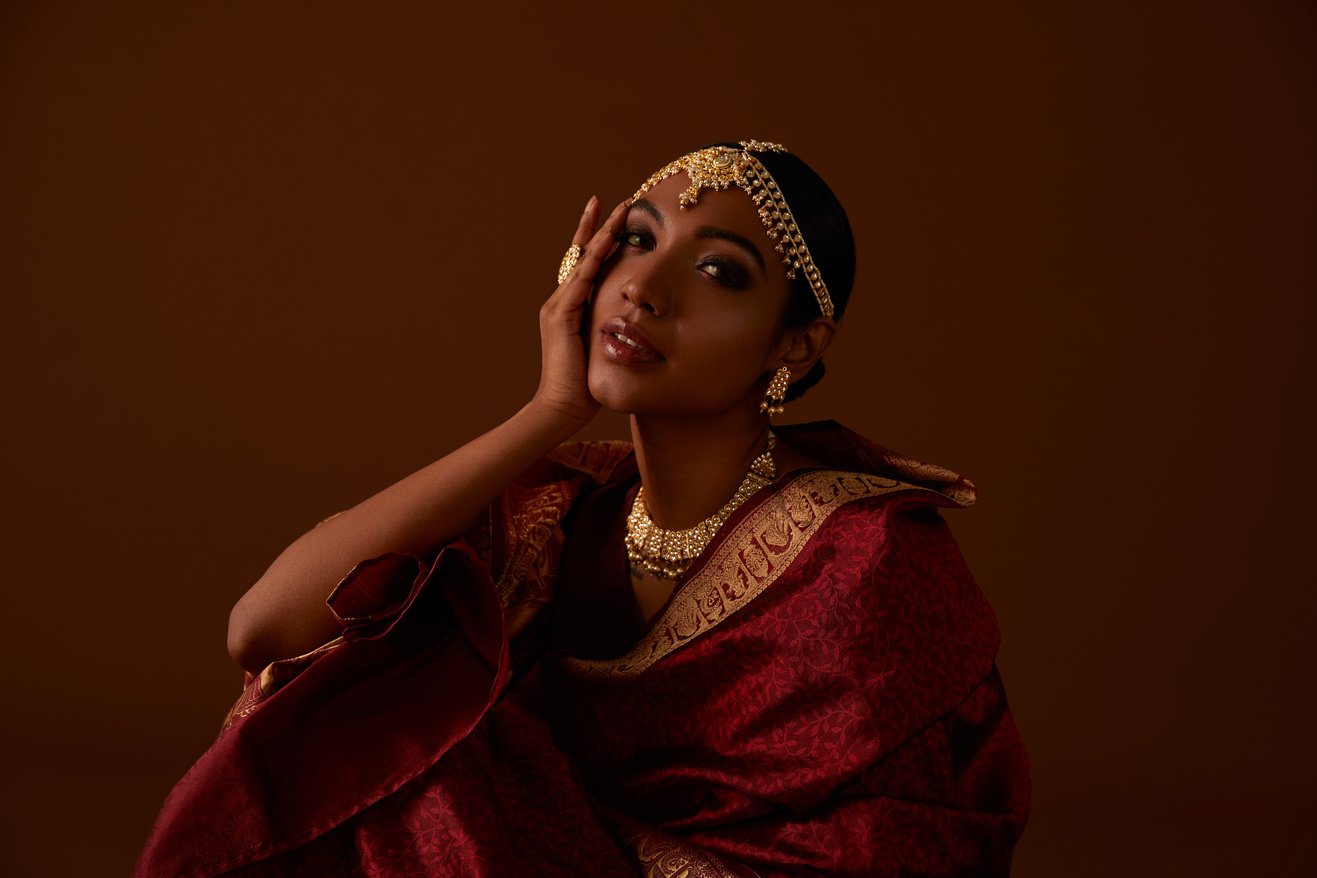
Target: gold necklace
{"points": [[667, 553]]}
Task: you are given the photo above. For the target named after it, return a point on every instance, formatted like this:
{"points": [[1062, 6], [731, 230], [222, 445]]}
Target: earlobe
{"points": [[793, 359]]}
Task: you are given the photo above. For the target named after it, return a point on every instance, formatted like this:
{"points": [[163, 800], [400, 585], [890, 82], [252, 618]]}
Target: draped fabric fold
{"points": [[309, 755], [818, 696]]}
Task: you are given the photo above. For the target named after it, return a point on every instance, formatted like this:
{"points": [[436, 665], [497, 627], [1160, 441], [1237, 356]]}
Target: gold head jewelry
{"points": [[776, 394], [717, 167], [667, 553]]}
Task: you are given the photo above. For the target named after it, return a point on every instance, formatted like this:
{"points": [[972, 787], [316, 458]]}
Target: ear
{"points": [[802, 346]]}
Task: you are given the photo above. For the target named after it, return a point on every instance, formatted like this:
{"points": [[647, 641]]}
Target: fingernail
{"points": [[591, 203]]}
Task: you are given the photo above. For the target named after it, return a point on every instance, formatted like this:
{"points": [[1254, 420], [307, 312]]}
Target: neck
{"points": [[690, 468]]}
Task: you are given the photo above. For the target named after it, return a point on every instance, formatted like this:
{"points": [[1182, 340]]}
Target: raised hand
{"points": [[284, 613], [563, 389]]}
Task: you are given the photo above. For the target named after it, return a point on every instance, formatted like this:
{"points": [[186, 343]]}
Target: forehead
{"points": [[730, 209]]}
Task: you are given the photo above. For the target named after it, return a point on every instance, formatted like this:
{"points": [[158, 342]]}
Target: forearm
{"points": [[284, 613]]}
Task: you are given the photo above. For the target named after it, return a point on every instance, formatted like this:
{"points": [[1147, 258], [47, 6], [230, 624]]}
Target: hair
{"points": [[827, 232]]}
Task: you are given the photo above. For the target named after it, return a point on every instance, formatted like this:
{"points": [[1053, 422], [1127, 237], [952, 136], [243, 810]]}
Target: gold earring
{"points": [[776, 393]]}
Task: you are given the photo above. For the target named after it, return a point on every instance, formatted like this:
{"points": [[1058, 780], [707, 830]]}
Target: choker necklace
{"points": [[667, 553]]}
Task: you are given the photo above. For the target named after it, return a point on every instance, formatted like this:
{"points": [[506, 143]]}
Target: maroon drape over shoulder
{"points": [[818, 696]]}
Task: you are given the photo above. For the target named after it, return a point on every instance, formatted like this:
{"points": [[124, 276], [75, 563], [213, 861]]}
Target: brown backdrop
{"points": [[260, 259]]}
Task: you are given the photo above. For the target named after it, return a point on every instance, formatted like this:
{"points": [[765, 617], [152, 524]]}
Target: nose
{"points": [[647, 292]]}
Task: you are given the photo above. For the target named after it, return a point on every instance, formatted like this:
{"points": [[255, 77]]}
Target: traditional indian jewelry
{"points": [[717, 167], [568, 263], [776, 394], [667, 553]]}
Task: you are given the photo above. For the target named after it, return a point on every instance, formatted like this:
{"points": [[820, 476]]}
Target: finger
{"points": [[600, 246], [574, 291], [584, 229], [589, 220]]}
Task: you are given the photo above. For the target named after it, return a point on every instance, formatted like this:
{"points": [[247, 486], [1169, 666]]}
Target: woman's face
{"points": [[687, 314]]}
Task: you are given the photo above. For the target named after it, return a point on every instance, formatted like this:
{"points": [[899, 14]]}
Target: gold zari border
{"points": [[662, 856], [749, 560]]}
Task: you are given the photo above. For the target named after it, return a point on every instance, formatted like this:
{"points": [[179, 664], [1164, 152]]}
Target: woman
{"points": [[722, 650]]}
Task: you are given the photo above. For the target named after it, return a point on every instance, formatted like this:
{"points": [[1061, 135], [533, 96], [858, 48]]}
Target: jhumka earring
{"points": [[774, 397]]}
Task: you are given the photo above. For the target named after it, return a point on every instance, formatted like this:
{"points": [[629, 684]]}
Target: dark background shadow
{"points": [[261, 259]]}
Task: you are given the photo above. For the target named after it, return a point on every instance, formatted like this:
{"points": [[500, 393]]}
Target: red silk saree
{"points": [[817, 697]]}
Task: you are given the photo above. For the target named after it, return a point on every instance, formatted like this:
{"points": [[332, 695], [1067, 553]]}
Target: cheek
{"points": [[729, 363], [603, 303], [740, 341]]}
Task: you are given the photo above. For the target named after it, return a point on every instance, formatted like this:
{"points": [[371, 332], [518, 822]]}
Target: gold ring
{"points": [[568, 262]]}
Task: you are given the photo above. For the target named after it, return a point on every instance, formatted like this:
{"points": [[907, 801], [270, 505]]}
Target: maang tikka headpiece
{"points": [[717, 167]]}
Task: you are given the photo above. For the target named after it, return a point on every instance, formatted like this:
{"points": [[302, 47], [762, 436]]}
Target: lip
{"points": [[625, 342]]}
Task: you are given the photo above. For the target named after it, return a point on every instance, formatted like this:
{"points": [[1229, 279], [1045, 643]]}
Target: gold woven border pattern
{"points": [[751, 558]]}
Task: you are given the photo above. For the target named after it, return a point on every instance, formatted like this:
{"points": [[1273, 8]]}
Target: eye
{"points": [[725, 272], [638, 238]]}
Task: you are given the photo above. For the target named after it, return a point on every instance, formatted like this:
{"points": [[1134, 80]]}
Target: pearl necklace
{"points": [[667, 553]]}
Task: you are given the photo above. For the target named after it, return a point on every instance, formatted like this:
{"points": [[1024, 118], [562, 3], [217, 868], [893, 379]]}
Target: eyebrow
{"points": [[650, 208], [706, 233], [709, 232]]}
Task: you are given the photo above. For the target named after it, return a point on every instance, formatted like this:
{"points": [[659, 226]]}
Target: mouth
{"points": [[630, 338]]}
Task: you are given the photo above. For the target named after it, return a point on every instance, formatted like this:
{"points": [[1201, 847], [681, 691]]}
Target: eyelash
{"points": [[625, 238], [727, 273]]}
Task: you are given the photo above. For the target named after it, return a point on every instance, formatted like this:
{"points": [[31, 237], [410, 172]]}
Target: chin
{"points": [[630, 393], [612, 395]]}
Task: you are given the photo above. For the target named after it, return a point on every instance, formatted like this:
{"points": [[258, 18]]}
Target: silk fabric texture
{"points": [[818, 697]]}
